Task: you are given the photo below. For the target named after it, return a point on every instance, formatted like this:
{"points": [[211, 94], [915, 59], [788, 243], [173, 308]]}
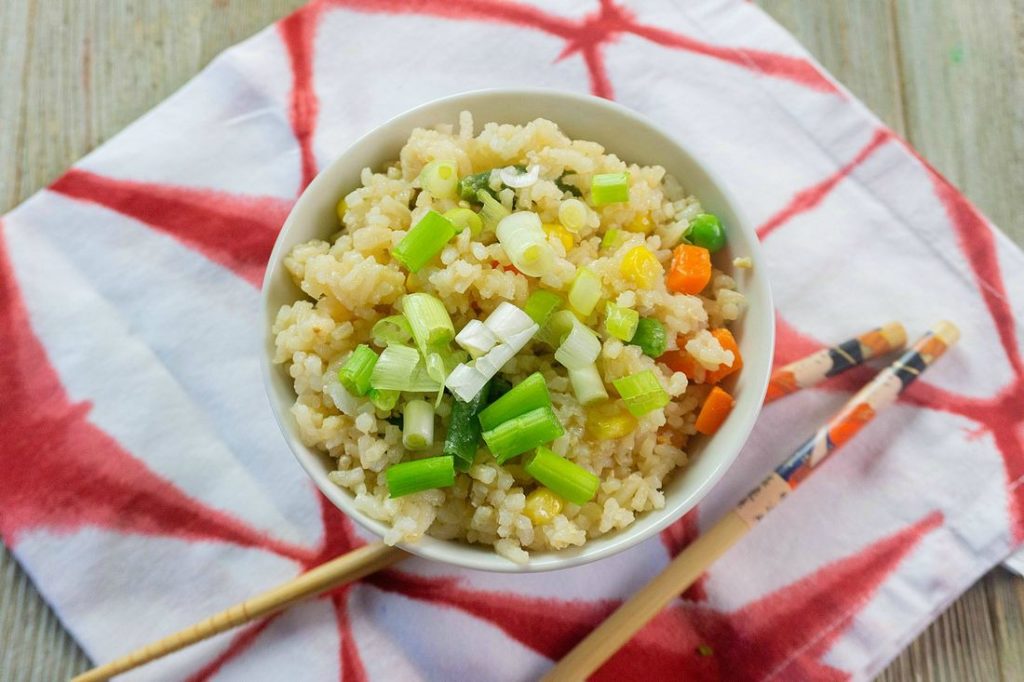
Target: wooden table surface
{"points": [[948, 75]]}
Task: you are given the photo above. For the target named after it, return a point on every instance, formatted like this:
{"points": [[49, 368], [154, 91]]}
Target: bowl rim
{"points": [[458, 553]]}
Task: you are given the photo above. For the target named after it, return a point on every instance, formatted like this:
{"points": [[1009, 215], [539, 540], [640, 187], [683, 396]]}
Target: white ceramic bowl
{"points": [[635, 140]]}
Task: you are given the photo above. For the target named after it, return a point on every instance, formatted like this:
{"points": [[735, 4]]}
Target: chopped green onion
{"points": [[580, 347], [499, 387], [342, 399], [383, 399], [522, 236], [440, 178], [522, 433], [642, 392], [463, 437], [561, 476], [612, 239], [511, 325], [420, 474], [401, 368], [572, 213], [514, 328], [465, 382], [542, 305], [470, 186], [391, 329], [418, 425], [492, 212], [650, 336], [490, 364], [355, 374], [476, 338], [437, 370], [529, 394], [465, 219], [621, 322], [558, 327], [431, 326], [585, 292], [609, 188], [587, 385], [566, 187], [706, 230], [424, 241]]}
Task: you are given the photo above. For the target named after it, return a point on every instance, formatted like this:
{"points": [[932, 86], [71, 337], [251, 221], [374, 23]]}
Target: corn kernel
{"points": [[342, 208], [641, 267], [542, 506], [641, 222], [560, 233], [610, 420]]}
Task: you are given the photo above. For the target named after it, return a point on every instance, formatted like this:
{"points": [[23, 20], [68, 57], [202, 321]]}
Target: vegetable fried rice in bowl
{"points": [[516, 330]]}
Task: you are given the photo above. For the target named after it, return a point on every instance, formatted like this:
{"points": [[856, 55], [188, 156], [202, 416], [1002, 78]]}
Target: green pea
{"points": [[706, 230]]}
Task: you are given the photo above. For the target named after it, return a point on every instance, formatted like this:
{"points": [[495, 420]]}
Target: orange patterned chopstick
{"points": [[828, 362]]}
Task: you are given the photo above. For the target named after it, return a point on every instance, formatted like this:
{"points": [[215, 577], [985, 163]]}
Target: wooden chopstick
{"points": [[368, 559], [682, 571], [834, 360], [334, 573]]}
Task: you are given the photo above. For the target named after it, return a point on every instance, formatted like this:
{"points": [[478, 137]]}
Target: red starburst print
{"points": [[590, 34], [298, 34], [781, 632], [809, 198], [234, 230], [1002, 414], [63, 473]]}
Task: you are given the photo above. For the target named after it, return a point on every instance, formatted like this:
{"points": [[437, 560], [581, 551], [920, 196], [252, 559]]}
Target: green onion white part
{"points": [[476, 338], [587, 385], [431, 326], [391, 329], [572, 214], [347, 403], [492, 212], [418, 425], [441, 179], [511, 177], [401, 368], [585, 292], [580, 347], [522, 236], [514, 329], [508, 323]]}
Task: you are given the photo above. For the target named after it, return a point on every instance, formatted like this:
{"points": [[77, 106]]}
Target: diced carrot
{"points": [[690, 271], [728, 342], [714, 411], [681, 361]]}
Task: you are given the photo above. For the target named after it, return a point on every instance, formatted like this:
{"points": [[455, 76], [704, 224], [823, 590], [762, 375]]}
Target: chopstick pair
{"points": [[687, 566], [693, 561]]}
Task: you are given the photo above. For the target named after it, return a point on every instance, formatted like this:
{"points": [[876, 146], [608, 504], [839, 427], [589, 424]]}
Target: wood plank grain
{"points": [[962, 65], [855, 41]]}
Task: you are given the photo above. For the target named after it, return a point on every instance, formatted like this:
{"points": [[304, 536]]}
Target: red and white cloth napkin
{"points": [[144, 485]]}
